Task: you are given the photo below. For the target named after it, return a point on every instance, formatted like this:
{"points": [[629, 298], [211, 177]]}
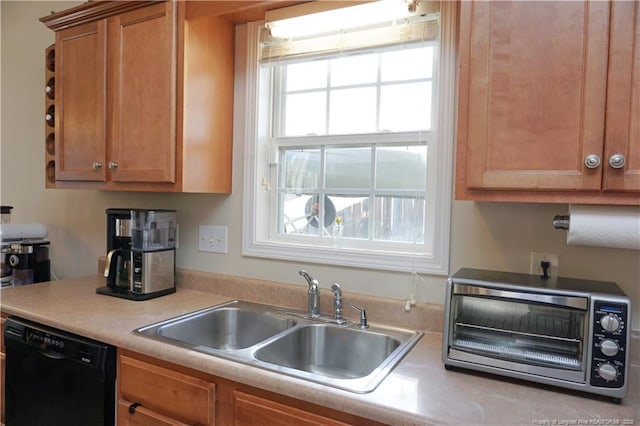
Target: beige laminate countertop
{"points": [[418, 391]]}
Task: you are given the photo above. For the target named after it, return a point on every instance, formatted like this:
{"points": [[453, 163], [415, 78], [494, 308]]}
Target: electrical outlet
{"points": [[552, 258], [212, 239]]}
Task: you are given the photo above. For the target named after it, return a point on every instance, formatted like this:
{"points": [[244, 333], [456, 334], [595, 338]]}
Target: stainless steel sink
{"points": [[228, 328], [336, 352], [288, 342]]}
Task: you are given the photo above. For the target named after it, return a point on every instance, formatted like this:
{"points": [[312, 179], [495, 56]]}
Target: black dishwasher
{"points": [[57, 378]]}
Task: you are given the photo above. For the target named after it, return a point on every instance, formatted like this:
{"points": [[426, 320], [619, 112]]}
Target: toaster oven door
{"points": [[531, 333]]}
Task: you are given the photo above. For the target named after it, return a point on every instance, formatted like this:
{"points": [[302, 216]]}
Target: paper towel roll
{"points": [[604, 226]]}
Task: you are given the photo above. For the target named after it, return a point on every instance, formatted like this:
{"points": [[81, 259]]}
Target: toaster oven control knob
{"points": [[609, 348], [607, 372], [610, 322]]}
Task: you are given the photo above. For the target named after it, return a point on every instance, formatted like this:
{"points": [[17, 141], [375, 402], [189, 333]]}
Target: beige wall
{"points": [[485, 235]]}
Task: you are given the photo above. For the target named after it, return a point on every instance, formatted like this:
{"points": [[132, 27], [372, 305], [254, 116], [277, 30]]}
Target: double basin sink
{"points": [[344, 356]]}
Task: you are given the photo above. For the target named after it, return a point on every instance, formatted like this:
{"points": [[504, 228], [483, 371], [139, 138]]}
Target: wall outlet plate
{"points": [[212, 239], [552, 258]]}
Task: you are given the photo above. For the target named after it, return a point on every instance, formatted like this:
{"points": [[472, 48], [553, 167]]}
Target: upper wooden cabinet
{"points": [[546, 92], [144, 98], [80, 120], [142, 89], [622, 134]]}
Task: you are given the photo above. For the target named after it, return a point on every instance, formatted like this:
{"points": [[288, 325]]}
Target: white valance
{"points": [[422, 25]]}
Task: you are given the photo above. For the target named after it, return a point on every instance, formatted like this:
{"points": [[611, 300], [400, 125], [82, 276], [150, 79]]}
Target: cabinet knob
{"points": [[592, 161], [617, 161], [113, 165], [96, 165]]}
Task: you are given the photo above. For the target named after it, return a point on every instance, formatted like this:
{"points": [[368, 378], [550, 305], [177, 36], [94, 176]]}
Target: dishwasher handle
{"points": [[51, 354]]}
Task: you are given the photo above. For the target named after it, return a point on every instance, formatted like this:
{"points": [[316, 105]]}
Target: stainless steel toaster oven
{"points": [[559, 331]]}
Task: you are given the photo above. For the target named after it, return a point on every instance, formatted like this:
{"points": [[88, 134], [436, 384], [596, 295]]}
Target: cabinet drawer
{"points": [[169, 393], [143, 416], [251, 409]]}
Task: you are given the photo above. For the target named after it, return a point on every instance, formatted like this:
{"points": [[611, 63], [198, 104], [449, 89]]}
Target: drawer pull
{"points": [[132, 407]]}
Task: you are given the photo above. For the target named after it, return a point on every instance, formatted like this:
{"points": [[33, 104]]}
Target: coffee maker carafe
{"points": [[118, 267], [140, 253]]}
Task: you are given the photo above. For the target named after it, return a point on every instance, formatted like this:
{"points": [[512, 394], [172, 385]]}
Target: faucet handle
{"points": [[310, 280], [336, 290], [363, 315]]}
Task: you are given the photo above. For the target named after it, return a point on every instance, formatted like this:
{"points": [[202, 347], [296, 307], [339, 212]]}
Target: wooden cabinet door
{"points": [[623, 98], [142, 64], [532, 94], [252, 410], [168, 393], [80, 105]]}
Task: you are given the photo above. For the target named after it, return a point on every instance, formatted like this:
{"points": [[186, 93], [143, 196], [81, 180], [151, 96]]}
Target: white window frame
{"points": [[259, 240]]}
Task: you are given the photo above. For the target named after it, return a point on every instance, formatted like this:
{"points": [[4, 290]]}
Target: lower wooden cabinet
{"points": [[250, 410], [149, 394], [152, 392]]}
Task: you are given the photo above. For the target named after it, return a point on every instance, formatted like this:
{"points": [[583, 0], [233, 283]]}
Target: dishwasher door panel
{"points": [[45, 387]]}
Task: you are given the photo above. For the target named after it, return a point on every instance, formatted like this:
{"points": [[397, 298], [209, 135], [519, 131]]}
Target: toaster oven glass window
{"points": [[528, 333]]}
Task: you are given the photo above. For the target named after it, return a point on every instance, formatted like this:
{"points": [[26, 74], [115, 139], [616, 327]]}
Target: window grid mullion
{"points": [[281, 101], [372, 193], [327, 99], [322, 190], [378, 91]]}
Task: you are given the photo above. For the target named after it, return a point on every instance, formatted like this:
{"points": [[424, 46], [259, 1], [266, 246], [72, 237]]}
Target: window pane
{"points": [[306, 75], [357, 69], [399, 219], [348, 168], [305, 114], [354, 213], [353, 111], [407, 64], [301, 169], [405, 107], [302, 214], [401, 167]]}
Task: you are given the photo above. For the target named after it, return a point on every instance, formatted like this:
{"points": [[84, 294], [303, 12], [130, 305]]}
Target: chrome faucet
{"points": [[314, 294], [337, 303]]}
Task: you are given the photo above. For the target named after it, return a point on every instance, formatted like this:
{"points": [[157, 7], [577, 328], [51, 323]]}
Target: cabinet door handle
{"points": [[96, 165], [617, 161], [132, 407], [113, 165], [592, 161]]}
